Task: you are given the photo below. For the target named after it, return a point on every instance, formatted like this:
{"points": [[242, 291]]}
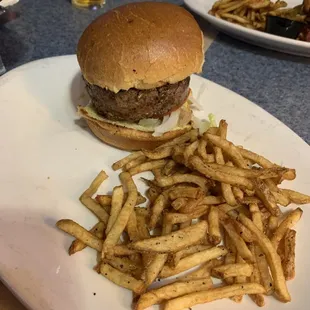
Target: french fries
{"points": [[193, 260], [206, 191], [121, 278], [173, 290], [272, 258], [166, 244], [123, 217], [228, 291]]}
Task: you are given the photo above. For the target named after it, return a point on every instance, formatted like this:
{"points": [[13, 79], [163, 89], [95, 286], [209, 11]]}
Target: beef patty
{"points": [[135, 104]]}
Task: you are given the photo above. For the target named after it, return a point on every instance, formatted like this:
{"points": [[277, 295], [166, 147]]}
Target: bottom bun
{"points": [[130, 139]]}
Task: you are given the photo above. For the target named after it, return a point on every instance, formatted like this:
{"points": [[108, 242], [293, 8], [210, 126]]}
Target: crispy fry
{"points": [[188, 251], [256, 216], [80, 233], [78, 245], [228, 148], [237, 240], [204, 271], [193, 260], [116, 205], [289, 222], [212, 200], [159, 205], [179, 203], [191, 206], [187, 192], [272, 257], [125, 265], [296, 197], [289, 254], [132, 228], [219, 176], [166, 244], [183, 178], [158, 153], [121, 278], [188, 136], [230, 258], [202, 149], [135, 162], [169, 168], [120, 250], [258, 159], [228, 291], [152, 193], [173, 290], [158, 261], [214, 226], [92, 189], [263, 192], [190, 150], [148, 166], [233, 270], [123, 217], [121, 163]]}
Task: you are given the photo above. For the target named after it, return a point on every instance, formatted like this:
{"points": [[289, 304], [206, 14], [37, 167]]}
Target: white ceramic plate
{"points": [[254, 37], [47, 159]]}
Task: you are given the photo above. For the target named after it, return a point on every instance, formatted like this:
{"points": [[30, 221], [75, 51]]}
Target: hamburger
{"points": [[136, 61]]}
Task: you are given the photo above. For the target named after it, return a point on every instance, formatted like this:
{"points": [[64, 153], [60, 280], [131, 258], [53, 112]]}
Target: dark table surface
{"points": [[277, 82]]}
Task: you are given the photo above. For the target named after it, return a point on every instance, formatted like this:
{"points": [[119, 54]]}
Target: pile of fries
{"points": [[211, 205], [253, 13]]}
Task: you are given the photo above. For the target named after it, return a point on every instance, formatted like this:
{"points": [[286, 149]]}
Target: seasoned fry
{"points": [[204, 271], [256, 216], [214, 226], [159, 205], [152, 193], [209, 172], [183, 178], [289, 254], [121, 278], [289, 222], [191, 206], [132, 227], [250, 173], [116, 205], [187, 192], [190, 150], [125, 265], [188, 136], [180, 203], [121, 163], [188, 251], [123, 217], [148, 166], [169, 168], [120, 250], [134, 163], [173, 290], [273, 223], [78, 245], [158, 153], [228, 291], [233, 270], [202, 149], [296, 197], [166, 244], [228, 148], [158, 261], [193, 260], [272, 257], [263, 193], [258, 159], [92, 189], [74, 229], [237, 240], [212, 200]]}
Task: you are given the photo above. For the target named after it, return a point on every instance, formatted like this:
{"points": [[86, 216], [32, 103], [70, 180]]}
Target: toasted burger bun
{"points": [[130, 139], [141, 45]]}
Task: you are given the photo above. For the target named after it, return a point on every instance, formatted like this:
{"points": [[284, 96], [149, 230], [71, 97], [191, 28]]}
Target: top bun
{"points": [[141, 45]]}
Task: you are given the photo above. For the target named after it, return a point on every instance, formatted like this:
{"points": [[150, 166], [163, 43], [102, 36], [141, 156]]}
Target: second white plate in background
{"points": [[255, 37]]}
